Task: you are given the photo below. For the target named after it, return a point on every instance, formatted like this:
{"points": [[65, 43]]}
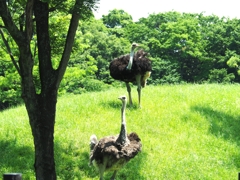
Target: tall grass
{"points": [[187, 132]]}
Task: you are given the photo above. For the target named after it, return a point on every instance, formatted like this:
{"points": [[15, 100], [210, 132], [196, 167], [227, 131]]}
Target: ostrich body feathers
{"points": [[111, 154], [141, 65]]}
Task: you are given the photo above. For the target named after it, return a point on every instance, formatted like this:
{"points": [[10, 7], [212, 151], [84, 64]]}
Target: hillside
{"points": [[187, 131]]}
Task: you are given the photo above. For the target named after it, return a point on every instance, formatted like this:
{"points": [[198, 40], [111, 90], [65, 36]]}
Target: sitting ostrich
{"points": [[112, 152], [132, 68]]}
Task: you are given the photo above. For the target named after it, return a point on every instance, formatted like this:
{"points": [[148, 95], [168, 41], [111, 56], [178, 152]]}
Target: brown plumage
{"points": [[112, 152], [132, 68]]}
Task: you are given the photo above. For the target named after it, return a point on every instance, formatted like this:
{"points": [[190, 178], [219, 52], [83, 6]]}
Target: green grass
{"points": [[187, 132]]}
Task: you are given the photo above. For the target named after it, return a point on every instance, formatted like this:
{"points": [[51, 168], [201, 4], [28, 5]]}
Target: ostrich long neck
{"points": [[122, 138], [129, 66]]}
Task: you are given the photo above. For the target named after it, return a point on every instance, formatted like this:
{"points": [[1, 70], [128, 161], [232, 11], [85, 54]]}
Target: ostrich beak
{"points": [[138, 46], [135, 45], [122, 97]]}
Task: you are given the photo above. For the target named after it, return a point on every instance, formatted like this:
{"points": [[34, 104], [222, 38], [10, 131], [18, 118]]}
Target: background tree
{"points": [[116, 18], [41, 101]]}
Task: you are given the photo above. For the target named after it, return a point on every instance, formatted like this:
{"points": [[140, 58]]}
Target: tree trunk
{"points": [[41, 110], [41, 107], [42, 127]]}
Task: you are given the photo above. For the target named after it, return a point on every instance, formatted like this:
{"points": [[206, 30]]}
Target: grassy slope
{"points": [[187, 131]]}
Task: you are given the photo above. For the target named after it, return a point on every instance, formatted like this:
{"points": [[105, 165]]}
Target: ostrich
{"points": [[132, 68], [112, 152]]}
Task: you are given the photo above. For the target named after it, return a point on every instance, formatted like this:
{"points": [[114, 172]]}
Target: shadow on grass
{"points": [[16, 158], [132, 170], [73, 163], [8, 105], [223, 126], [116, 104]]}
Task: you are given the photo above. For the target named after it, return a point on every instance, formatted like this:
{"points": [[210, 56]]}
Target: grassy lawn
{"points": [[187, 132]]}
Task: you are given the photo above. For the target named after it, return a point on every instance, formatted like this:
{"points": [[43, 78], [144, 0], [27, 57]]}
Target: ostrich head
{"points": [[123, 99], [134, 45]]}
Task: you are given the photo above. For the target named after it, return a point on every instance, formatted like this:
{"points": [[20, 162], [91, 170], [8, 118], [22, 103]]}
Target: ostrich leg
{"points": [[102, 168], [129, 93], [139, 88], [114, 175]]}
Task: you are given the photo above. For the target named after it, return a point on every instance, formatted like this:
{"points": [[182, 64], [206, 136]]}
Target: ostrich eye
{"points": [[134, 45]]}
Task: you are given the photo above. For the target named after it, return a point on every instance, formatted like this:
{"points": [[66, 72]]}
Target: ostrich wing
{"points": [[108, 146]]}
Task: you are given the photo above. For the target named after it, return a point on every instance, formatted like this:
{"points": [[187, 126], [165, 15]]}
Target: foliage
{"points": [[184, 47], [90, 85], [164, 71], [220, 76], [116, 18], [10, 91], [187, 131], [233, 61]]}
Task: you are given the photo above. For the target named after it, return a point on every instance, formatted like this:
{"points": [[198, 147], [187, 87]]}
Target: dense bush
{"points": [[220, 76], [10, 89], [164, 71]]}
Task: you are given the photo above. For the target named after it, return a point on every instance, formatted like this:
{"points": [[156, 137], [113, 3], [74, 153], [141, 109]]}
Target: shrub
{"points": [[220, 76]]}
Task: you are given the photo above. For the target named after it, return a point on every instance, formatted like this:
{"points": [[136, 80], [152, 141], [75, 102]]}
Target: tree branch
{"points": [[46, 71], [9, 52], [29, 21], [17, 35], [69, 41]]}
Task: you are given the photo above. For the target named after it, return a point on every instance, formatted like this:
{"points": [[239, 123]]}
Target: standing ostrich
{"points": [[132, 68], [112, 152]]}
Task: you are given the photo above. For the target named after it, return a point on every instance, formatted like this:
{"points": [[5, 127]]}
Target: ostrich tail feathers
{"points": [[93, 141]]}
